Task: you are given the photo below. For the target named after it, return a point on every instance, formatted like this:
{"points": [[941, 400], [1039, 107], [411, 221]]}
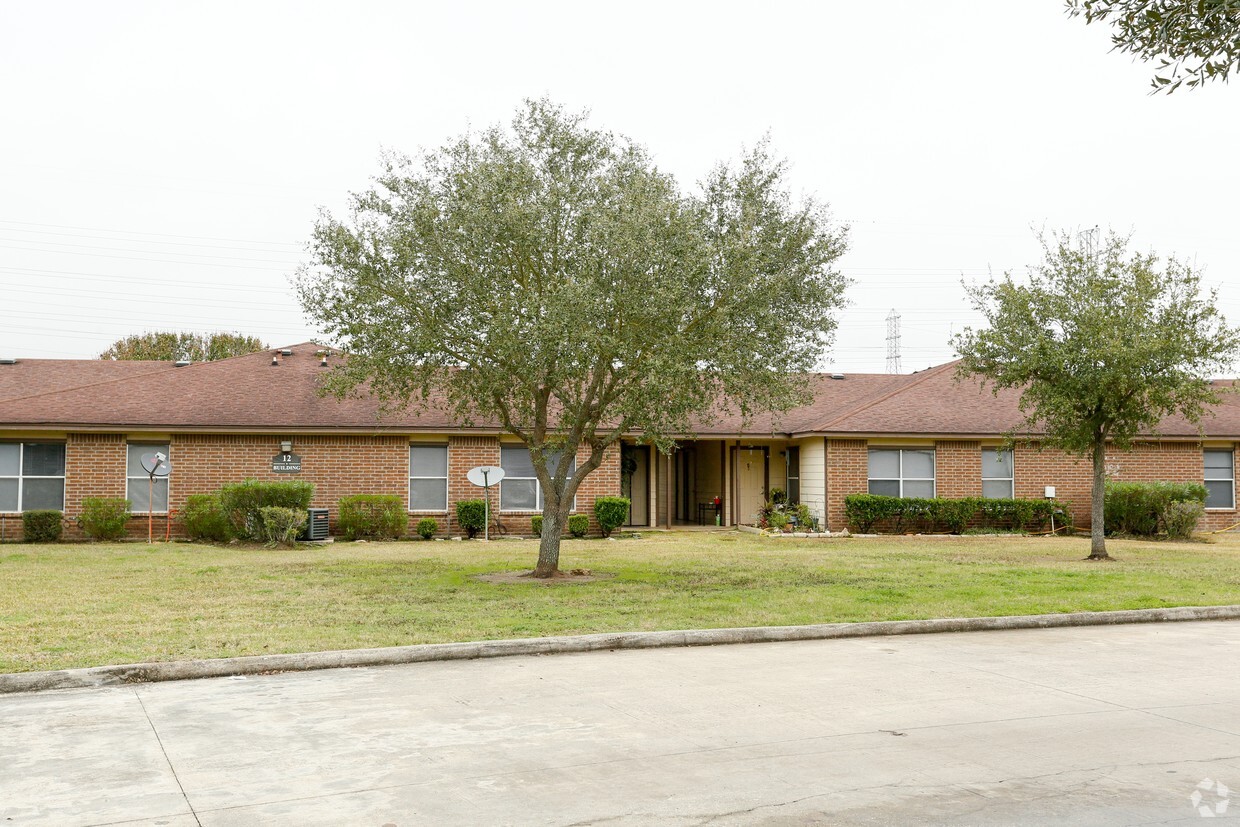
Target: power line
{"points": [[140, 232]]}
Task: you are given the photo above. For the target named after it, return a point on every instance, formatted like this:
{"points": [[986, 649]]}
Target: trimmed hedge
{"points": [[1144, 508], [42, 526], [926, 514], [536, 524], [104, 518], [578, 525], [204, 518], [243, 502], [611, 513], [372, 515], [471, 515]]}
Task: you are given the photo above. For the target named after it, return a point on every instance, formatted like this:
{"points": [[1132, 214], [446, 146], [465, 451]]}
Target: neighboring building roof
{"points": [[248, 393]]}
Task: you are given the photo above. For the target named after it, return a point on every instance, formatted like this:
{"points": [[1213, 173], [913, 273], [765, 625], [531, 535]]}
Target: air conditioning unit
{"points": [[317, 525]]}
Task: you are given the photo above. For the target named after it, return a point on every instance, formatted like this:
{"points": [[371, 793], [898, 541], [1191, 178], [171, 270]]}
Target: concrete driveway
{"points": [[1097, 726]]}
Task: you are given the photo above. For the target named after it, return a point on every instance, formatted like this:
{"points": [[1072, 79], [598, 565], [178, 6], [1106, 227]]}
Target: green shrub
{"points": [[1141, 508], [471, 515], [864, 510], [372, 515], [204, 518], [428, 527], [42, 526], [1019, 515], [280, 525], [777, 520], [578, 525], [536, 524], [805, 520], [104, 518], [242, 503], [1181, 518], [955, 514], [611, 513]]}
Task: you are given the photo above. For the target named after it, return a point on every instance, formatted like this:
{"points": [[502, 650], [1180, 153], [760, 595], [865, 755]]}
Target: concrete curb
{"points": [[265, 664]]}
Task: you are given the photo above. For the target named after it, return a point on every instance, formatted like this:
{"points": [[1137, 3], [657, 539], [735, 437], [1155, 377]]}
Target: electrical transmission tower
{"points": [[1090, 240], [893, 341]]}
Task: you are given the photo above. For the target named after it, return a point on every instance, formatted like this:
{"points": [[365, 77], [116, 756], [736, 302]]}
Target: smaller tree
{"points": [[169, 346], [1194, 41], [1102, 345]]}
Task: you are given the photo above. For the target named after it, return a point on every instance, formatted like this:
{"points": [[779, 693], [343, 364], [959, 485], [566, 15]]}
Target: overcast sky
{"points": [[161, 164]]}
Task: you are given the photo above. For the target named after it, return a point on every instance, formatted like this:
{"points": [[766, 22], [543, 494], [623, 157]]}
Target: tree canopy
{"points": [[171, 346], [1193, 41], [550, 278], [1102, 345]]}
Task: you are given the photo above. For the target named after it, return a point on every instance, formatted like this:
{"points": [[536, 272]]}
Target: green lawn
{"points": [[80, 605]]}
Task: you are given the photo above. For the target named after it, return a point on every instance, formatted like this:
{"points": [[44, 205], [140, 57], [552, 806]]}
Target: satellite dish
{"points": [[156, 465], [485, 475]]}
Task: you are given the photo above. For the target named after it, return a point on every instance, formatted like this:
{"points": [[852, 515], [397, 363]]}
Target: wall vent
{"points": [[7, 361], [837, 376]]}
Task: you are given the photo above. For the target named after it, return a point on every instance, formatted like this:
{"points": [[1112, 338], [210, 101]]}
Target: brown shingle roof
{"points": [[32, 377], [247, 393]]}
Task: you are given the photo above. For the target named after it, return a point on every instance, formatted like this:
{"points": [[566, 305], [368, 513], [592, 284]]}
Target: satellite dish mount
{"points": [[484, 476], [156, 466]]}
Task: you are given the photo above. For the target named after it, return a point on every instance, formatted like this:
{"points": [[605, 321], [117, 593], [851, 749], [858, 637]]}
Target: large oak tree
{"points": [[550, 278], [1103, 344]]}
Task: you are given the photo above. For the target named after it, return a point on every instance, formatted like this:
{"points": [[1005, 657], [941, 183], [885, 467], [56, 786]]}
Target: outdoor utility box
{"points": [[316, 526]]}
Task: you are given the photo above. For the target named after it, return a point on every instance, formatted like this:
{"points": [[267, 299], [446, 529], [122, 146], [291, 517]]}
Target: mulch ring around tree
{"points": [[527, 576]]}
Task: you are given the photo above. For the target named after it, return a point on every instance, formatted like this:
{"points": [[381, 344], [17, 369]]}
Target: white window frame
{"points": [[409, 460], [166, 448], [934, 469], [21, 477], [538, 492], [1231, 453], [1010, 480]]}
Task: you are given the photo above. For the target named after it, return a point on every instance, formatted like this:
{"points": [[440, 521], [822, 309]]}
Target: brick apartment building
{"points": [[71, 429]]}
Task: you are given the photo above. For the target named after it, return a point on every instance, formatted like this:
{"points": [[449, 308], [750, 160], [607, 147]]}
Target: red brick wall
{"points": [[958, 468], [958, 472], [337, 465], [848, 472], [94, 467]]}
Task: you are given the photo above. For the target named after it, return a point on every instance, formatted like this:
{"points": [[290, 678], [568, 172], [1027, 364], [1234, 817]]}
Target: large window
{"points": [[428, 477], [997, 476], [794, 476], [32, 476], [520, 489], [1220, 479], [144, 497], [902, 472]]}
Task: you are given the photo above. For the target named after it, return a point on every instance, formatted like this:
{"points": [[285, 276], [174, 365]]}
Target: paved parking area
{"points": [[1098, 726]]}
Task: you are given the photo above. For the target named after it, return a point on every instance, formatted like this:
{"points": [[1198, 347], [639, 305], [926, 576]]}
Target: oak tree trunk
{"points": [[554, 519], [1097, 529]]}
